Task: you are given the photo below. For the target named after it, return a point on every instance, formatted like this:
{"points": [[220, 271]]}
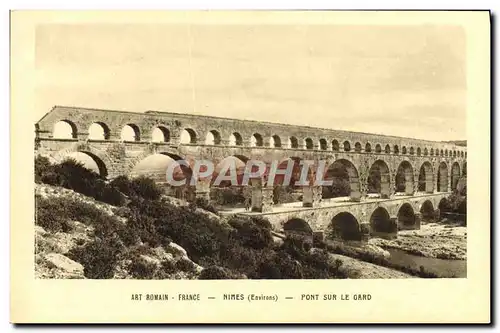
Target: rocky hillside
{"points": [[53, 248]]}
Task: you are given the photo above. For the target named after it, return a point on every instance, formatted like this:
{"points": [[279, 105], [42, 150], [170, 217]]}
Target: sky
{"points": [[395, 80]]}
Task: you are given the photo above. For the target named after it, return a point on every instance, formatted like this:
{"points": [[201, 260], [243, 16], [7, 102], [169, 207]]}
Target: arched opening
{"points": [[412, 151], [357, 147], [396, 149], [64, 129], [419, 151], [344, 226], [455, 176], [227, 187], [188, 136], [464, 169], [462, 154], [465, 154], [298, 228], [404, 150], [446, 152], [425, 178], [442, 177], [160, 134], [347, 146], [387, 149], [256, 140], [454, 153], [381, 223], [309, 143], [89, 161], [293, 142], [432, 151], [406, 216], [289, 190], [155, 166], [444, 207], [235, 139], [335, 145], [368, 147], [404, 178], [427, 211], [130, 132], [345, 180], [426, 152], [379, 179], [378, 148], [323, 145], [442, 152], [275, 141], [98, 131], [213, 138]]}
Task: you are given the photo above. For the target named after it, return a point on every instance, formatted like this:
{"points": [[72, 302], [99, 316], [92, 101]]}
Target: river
{"points": [[442, 267]]}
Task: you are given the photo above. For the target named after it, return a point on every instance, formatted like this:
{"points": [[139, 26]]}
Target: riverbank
{"points": [[358, 269], [443, 240]]}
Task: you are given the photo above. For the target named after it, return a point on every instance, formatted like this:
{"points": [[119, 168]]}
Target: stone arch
{"points": [[296, 172], [99, 131], [256, 140], [426, 152], [381, 224], [406, 216], [293, 142], [396, 149], [357, 147], [387, 149], [345, 226], [403, 150], [130, 132], [335, 145], [446, 152], [323, 144], [275, 141], [64, 129], [455, 175], [160, 134], [188, 136], [412, 151], [464, 169], [441, 153], [378, 148], [454, 153], [379, 179], [427, 210], [462, 154], [404, 178], [155, 164], [442, 177], [102, 160], [309, 144], [432, 151], [239, 165], [297, 227], [345, 179], [347, 146], [419, 151], [426, 178], [368, 147], [213, 137], [235, 139], [444, 207]]}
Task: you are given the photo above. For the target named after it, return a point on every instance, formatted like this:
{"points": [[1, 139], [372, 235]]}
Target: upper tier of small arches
{"points": [[66, 129]]}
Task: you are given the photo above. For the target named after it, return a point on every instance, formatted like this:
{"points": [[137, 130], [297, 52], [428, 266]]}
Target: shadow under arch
{"points": [[344, 226], [381, 224]]}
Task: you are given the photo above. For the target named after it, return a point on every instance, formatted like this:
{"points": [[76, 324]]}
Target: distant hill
{"points": [[462, 143]]}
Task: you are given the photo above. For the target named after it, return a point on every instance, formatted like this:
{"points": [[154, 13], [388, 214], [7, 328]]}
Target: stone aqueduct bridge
{"points": [[431, 169]]}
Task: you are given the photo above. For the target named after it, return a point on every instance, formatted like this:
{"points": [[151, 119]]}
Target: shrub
{"points": [[141, 268], [214, 273], [251, 234], [98, 258], [185, 265], [205, 204]]}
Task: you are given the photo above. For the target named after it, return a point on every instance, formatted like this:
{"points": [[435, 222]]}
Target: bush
{"points": [[205, 204], [141, 268], [251, 233], [214, 273], [98, 258]]}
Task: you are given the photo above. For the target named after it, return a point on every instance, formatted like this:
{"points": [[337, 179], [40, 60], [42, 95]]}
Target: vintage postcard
{"points": [[250, 167]]}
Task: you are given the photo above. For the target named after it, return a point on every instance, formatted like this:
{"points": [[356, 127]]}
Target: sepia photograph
{"points": [[273, 149]]}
